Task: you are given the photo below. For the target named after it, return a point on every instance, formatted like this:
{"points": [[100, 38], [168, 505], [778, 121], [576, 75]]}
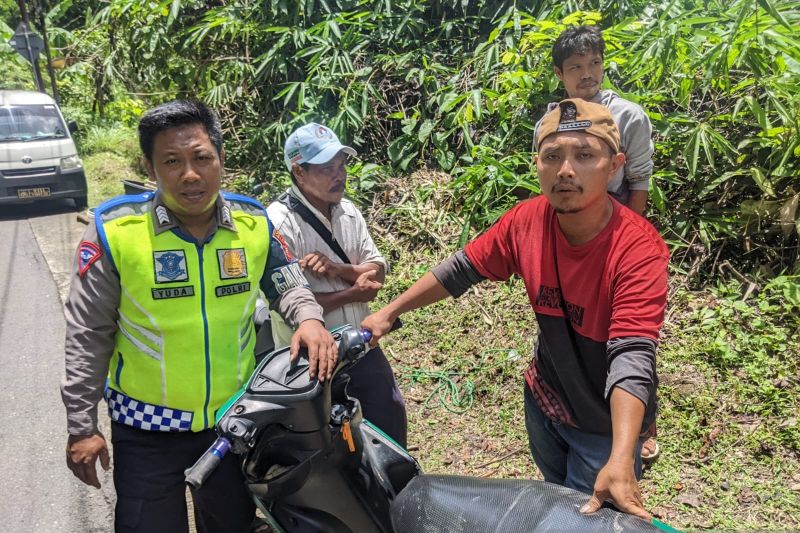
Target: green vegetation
{"points": [[440, 99], [110, 155], [461, 94], [719, 80], [729, 396]]}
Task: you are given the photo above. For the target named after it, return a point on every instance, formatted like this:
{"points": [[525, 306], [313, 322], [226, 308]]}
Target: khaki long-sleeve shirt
{"points": [[350, 231]]}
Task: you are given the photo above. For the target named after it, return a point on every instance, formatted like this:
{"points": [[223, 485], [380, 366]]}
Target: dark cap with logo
{"points": [[579, 115]]}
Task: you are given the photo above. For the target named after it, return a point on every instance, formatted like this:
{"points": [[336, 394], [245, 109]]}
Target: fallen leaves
{"points": [[692, 500], [709, 441]]}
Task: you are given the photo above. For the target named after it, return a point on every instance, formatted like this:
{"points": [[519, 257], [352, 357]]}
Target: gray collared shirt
{"points": [[91, 313]]}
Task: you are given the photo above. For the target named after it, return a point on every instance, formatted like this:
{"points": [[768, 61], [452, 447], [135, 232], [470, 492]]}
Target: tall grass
{"points": [[116, 139]]}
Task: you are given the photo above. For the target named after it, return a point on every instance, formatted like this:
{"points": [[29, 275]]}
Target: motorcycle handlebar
{"points": [[367, 334], [197, 473]]}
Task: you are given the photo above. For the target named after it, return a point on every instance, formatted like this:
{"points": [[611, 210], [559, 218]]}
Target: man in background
{"points": [[339, 259], [578, 55]]}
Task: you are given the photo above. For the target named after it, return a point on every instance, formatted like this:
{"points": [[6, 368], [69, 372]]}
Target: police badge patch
{"points": [[232, 263], [285, 247], [170, 266], [88, 253]]}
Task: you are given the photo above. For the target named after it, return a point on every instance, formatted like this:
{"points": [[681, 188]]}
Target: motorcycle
{"points": [[313, 464]]}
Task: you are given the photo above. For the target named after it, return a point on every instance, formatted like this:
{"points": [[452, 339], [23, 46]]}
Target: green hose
{"points": [[454, 397]]}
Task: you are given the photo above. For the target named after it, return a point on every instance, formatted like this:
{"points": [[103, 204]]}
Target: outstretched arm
{"points": [[289, 294], [616, 481], [452, 277], [425, 291]]}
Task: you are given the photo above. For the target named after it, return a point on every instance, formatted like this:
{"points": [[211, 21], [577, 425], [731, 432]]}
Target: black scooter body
{"points": [[297, 463], [315, 466]]}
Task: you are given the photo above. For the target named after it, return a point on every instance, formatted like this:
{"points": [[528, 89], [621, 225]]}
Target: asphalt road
{"points": [[37, 245]]}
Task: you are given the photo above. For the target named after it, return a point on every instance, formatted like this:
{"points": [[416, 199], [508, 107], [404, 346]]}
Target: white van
{"points": [[38, 159]]}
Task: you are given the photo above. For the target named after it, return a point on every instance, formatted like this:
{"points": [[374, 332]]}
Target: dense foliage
{"points": [[457, 86]]}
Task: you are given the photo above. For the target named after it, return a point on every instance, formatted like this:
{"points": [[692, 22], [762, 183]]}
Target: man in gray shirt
{"points": [[578, 63]]}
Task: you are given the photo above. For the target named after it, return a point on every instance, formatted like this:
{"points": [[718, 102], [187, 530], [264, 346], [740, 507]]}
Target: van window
{"points": [[30, 123]]}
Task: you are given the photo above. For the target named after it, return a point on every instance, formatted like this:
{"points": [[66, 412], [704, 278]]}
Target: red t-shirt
{"points": [[614, 286]]}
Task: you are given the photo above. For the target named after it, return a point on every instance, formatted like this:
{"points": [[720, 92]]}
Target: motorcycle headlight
{"points": [[71, 162]]}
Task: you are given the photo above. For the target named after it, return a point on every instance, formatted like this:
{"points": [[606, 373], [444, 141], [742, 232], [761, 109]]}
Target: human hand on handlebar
{"points": [[82, 454], [617, 483], [379, 324], [322, 350]]}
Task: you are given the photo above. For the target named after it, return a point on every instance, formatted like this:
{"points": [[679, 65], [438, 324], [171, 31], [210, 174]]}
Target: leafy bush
{"points": [[115, 139], [462, 93], [753, 345]]}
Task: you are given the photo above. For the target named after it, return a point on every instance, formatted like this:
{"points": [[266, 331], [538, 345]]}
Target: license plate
{"points": [[36, 192]]}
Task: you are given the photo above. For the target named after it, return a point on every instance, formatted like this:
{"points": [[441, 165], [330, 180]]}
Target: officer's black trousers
{"points": [[149, 480]]}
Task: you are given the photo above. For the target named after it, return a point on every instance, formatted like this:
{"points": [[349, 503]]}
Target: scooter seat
{"points": [[456, 504]]}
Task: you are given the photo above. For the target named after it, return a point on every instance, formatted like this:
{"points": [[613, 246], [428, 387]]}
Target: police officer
{"points": [[159, 323]]}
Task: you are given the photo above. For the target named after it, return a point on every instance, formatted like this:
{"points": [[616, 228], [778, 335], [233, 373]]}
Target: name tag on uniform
{"points": [[173, 292], [232, 263], [170, 266], [230, 290]]}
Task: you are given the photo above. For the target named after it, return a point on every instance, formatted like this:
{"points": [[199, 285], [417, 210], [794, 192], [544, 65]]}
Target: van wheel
{"points": [[81, 202]]}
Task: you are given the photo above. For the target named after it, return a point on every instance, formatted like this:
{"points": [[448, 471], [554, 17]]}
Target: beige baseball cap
{"points": [[579, 115]]}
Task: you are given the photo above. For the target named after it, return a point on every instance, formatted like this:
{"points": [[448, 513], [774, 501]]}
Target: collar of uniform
{"points": [[335, 209], [165, 220]]}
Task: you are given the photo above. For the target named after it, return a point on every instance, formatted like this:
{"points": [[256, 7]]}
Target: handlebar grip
{"points": [[208, 462], [367, 334]]}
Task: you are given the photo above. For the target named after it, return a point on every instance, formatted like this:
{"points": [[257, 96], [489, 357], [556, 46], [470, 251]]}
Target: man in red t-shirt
{"points": [[596, 276]]}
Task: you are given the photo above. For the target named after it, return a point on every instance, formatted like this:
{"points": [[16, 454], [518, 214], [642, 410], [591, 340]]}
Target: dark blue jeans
{"points": [[565, 455], [372, 382]]}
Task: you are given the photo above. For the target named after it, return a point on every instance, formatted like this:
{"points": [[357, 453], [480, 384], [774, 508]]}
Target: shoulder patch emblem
{"points": [[288, 277], [88, 254], [232, 263], [170, 266], [285, 247]]}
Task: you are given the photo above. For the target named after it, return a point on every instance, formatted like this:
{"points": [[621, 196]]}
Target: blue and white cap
{"points": [[313, 143]]}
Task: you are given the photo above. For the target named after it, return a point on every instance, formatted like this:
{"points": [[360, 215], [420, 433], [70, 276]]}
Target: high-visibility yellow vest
{"points": [[185, 335]]}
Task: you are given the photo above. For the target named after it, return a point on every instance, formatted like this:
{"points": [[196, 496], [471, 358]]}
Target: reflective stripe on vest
{"points": [[185, 328]]}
